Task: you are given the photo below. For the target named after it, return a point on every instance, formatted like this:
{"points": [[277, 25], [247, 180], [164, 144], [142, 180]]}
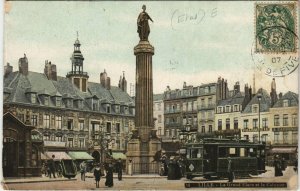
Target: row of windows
{"points": [[229, 108], [69, 141], [186, 120], [285, 120], [186, 106]]}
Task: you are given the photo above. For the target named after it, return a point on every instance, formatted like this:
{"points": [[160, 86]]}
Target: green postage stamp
{"points": [[275, 27]]}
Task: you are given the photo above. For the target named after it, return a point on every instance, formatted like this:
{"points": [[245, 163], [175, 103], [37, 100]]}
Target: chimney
{"points": [[273, 93], [23, 65], [105, 80], [53, 72], [7, 69], [124, 83], [107, 83], [280, 95], [184, 84], [247, 96], [50, 70], [236, 87]]}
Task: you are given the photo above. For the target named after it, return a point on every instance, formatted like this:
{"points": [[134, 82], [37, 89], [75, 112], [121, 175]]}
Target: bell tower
{"points": [[77, 76]]}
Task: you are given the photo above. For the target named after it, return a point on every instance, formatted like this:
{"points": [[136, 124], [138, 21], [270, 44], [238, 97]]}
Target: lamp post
{"points": [[259, 99]]}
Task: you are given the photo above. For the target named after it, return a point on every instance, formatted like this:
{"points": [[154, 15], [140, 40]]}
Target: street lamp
{"points": [[259, 99]]}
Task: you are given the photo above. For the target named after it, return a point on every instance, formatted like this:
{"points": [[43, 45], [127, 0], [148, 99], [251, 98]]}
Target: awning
{"points": [[44, 157], [118, 155], [80, 155], [58, 155], [283, 150]]}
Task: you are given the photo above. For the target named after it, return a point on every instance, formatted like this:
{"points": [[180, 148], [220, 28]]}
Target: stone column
{"points": [[144, 89]]}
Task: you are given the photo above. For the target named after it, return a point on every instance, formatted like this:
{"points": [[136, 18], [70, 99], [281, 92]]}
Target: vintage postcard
{"points": [[170, 95]]}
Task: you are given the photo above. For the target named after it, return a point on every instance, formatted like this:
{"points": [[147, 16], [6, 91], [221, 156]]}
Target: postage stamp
{"points": [[275, 27], [275, 48]]}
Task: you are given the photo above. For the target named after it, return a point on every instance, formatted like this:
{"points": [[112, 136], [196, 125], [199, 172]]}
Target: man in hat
{"points": [[97, 174], [277, 166], [119, 168], [229, 170]]}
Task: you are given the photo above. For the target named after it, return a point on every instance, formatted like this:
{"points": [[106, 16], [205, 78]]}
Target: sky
{"points": [[195, 42]]}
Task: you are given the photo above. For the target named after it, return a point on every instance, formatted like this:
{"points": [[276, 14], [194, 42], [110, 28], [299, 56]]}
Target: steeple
{"points": [[77, 75]]}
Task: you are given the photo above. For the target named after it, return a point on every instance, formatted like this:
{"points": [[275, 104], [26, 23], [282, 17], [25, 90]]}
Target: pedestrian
{"points": [[52, 167], [119, 168], [109, 176], [97, 174], [130, 167], [296, 164], [277, 166], [283, 164], [83, 168], [230, 170]]}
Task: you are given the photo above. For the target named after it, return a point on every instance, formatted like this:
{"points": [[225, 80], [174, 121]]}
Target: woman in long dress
{"points": [[109, 176]]}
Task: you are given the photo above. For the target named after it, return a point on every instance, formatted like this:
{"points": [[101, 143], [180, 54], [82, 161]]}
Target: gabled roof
{"points": [[291, 97], [265, 102]]}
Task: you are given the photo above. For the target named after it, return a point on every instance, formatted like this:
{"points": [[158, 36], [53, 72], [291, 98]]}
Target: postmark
{"points": [[275, 51]]}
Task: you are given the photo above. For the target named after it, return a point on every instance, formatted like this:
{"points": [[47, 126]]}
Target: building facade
{"points": [[206, 109], [284, 126], [71, 113], [158, 114], [181, 109]]}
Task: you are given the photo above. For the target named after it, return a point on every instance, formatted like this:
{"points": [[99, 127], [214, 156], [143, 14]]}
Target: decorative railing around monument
{"points": [[146, 168]]}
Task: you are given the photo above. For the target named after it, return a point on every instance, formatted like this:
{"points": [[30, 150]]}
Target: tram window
{"points": [[232, 151], [188, 154], [242, 152], [222, 152], [199, 154], [194, 153]]}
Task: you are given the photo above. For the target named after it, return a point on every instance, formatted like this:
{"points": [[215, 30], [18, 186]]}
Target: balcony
{"points": [[206, 107], [173, 124], [77, 73], [256, 129], [172, 111]]}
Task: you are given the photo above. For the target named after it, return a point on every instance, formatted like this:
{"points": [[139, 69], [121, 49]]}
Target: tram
{"points": [[209, 158]]}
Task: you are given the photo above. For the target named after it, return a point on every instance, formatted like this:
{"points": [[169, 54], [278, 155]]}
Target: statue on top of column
{"points": [[143, 25]]}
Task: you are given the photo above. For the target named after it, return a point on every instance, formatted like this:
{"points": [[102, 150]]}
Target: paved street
{"points": [[148, 183]]}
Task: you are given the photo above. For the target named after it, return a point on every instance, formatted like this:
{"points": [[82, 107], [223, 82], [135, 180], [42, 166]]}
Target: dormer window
{"points": [[95, 106], [236, 108], [107, 108], [46, 100], [285, 103], [69, 103], [33, 98], [126, 110], [79, 104], [220, 109], [227, 108], [117, 109], [58, 101], [254, 108]]}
